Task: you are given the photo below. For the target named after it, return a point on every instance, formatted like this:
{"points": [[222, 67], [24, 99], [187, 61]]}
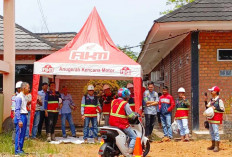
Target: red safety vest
{"points": [[118, 115], [181, 110], [107, 106], [91, 107], [218, 116], [53, 101]]}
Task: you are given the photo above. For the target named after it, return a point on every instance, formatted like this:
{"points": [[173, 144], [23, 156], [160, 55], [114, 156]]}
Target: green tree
{"points": [[133, 55], [98, 85], [175, 5]]}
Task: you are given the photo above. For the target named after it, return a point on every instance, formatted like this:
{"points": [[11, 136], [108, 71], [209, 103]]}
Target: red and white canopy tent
{"points": [[91, 54]]}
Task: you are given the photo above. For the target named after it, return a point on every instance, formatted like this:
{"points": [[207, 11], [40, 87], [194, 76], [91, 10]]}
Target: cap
{"points": [[90, 87], [106, 86], [130, 85], [181, 90], [215, 88], [18, 84]]}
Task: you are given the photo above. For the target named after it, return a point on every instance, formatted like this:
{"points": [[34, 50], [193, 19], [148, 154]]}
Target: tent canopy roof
{"points": [[90, 53]]}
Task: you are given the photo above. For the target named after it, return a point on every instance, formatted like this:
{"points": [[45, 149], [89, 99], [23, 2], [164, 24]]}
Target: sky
{"points": [[127, 21]]}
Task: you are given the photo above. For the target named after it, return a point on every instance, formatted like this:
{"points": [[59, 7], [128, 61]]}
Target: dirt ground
{"points": [[167, 149]]}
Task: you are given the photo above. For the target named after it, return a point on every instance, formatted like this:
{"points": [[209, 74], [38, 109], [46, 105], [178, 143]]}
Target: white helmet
{"points": [[130, 85], [18, 84], [209, 113], [90, 87], [106, 86], [181, 90]]}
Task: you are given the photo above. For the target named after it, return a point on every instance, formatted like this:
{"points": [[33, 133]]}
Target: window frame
{"points": [[222, 60]]}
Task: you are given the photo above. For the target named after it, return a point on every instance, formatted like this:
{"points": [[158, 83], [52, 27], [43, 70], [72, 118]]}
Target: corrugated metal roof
{"points": [[201, 10], [26, 40]]}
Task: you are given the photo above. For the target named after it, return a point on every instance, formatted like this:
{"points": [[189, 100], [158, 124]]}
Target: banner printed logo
{"points": [[125, 71], [90, 52], [48, 69]]}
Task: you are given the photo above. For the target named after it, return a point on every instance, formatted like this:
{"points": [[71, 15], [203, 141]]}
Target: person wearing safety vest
{"points": [[151, 100], [166, 105], [181, 116], [131, 100], [120, 112], [12, 113], [107, 98], [20, 119], [52, 104], [217, 104], [90, 106]]}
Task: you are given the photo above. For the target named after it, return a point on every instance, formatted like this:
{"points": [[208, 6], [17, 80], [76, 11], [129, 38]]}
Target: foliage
{"points": [[133, 55], [123, 83], [228, 106], [176, 4], [98, 85]]}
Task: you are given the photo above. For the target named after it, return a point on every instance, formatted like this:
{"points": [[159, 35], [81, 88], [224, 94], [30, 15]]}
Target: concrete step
{"points": [[204, 134]]}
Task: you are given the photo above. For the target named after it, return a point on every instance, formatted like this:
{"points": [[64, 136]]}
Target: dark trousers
{"points": [[41, 121], [158, 116], [149, 123], [52, 119]]}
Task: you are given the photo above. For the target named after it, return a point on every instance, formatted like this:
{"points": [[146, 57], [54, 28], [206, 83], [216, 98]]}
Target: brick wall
{"points": [[209, 67], [75, 88], [177, 70]]}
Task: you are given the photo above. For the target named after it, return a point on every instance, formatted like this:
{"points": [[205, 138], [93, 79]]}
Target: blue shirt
{"points": [[42, 94], [67, 101], [150, 96]]}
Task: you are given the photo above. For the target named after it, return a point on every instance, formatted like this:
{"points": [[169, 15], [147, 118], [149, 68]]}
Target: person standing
{"points": [[20, 119], [166, 105], [89, 108], [151, 100], [158, 112], [119, 115], [107, 99], [217, 104], [181, 115], [131, 100], [68, 106], [52, 104], [36, 116], [43, 118], [12, 114]]}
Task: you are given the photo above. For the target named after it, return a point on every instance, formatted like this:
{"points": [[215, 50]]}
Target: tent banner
{"points": [[87, 69]]}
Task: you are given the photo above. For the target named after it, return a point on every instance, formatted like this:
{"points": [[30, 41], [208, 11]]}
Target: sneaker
{"points": [[165, 139], [130, 150]]}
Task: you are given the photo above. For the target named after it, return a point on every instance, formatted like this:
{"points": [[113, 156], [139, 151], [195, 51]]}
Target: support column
{"points": [[195, 80], [9, 54]]}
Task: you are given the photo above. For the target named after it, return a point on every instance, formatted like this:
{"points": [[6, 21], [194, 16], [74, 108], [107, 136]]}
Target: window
{"points": [[224, 55]]}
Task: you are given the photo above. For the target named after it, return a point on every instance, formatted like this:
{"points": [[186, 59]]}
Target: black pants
{"points": [[149, 123], [41, 121], [52, 119], [158, 116]]}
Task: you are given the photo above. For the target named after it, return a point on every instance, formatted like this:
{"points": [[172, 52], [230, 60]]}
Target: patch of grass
{"points": [[38, 146], [6, 146]]}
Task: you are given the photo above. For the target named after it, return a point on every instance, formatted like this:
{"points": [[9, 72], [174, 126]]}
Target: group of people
{"points": [[48, 106], [116, 111]]}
